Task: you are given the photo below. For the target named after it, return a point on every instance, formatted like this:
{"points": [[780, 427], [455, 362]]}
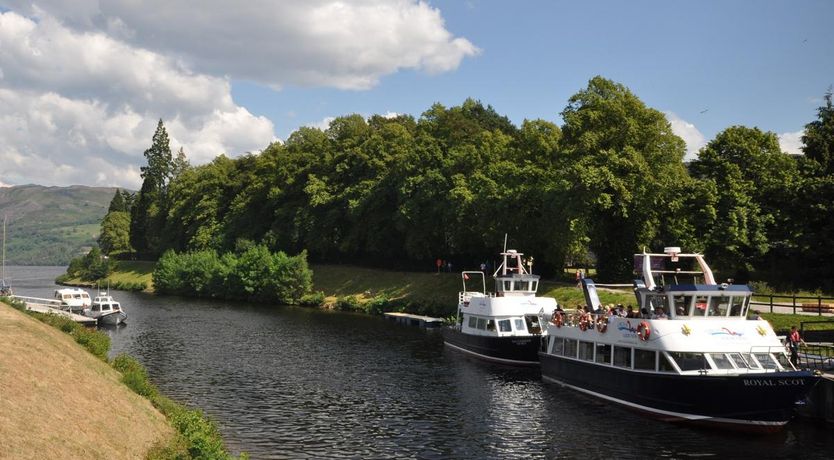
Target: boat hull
{"points": [[112, 319], [750, 402], [515, 350]]}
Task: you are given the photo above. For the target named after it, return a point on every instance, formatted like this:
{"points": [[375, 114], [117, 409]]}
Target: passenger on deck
{"points": [[630, 313], [660, 313], [645, 314]]}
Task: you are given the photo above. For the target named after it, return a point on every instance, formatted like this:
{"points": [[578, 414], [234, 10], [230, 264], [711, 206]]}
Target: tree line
{"points": [[400, 192]]}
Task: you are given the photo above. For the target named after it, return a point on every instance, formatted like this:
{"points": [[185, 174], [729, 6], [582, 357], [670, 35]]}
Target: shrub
{"points": [[348, 303], [97, 343], [315, 299], [377, 306]]}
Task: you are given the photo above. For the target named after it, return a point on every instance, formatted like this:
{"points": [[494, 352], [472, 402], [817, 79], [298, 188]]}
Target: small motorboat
{"points": [[106, 310]]}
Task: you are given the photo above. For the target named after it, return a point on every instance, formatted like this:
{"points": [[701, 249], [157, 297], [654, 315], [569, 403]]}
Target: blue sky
{"points": [[232, 81]]}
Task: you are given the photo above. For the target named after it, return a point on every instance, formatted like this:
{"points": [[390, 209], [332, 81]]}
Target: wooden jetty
{"points": [[414, 320], [52, 306]]}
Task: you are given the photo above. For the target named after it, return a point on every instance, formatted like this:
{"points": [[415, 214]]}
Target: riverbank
{"points": [[59, 401]]}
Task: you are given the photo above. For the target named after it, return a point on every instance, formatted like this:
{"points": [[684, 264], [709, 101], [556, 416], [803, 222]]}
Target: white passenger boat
{"points": [[502, 326], [74, 300], [106, 310], [693, 357]]}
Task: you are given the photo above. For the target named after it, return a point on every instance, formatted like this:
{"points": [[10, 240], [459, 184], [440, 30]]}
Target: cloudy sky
{"points": [[83, 83]]}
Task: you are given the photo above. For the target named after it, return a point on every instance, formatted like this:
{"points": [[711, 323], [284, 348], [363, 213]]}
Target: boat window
{"points": [[504, 325], [689, 361], [718, 306], [508, 285], [570, 348], [533, 324], [558, 346], [737, 305], [657, 301], [622, 356], [67, 296], [473, 322], [534, 285], [603, 353], [521, 285], [720, 360], [116, 307], [519, 324], [481, 323], [700, 307], [664, 365], [490, 325], [682, 304], [739, 361], [783, 360], [586, 350], [765, 360], [96, 308], [644, 359]]}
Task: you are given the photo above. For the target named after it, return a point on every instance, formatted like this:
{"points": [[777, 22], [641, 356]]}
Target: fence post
{"points": [[771, 303], [819, 305], [794, 304]]}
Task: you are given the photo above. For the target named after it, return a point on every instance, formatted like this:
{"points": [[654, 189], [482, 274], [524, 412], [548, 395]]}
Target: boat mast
{"points": [[3, 275]]}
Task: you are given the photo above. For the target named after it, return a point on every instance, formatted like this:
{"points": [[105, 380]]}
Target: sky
{"points": [[84, 83]]}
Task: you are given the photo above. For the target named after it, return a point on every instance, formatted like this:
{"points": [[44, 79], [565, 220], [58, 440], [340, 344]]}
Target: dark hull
{"points": [[516, 351], [752, 402]]}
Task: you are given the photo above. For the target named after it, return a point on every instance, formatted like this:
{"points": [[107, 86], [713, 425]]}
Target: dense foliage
{"points": [[254, 274], [400, 192]]}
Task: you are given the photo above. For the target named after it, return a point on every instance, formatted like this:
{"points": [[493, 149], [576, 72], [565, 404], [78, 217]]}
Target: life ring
{"points": [[602, 324], [584, 322], [557, 319], [644, 330]]}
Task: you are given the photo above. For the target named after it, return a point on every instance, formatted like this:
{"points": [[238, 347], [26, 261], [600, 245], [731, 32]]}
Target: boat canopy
{"points": [[512, 278]]}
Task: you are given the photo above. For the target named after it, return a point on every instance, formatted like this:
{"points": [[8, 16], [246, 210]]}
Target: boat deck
{"points": [[49, 306], [414, 320]]}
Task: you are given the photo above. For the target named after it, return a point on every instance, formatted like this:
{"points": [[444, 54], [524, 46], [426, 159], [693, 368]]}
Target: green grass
{"points": [[129, 275]]}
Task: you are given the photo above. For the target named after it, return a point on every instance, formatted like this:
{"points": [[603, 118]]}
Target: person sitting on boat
{"points": [[660, 313], [630, 313], [644, 313]]}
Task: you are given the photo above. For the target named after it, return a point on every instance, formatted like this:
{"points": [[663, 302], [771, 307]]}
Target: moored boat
{"points": [[692, 355], [74, 300], [106, 310], [502, 326]]}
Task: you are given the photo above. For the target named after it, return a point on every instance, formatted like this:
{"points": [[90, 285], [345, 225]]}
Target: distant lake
{"points": [[286, 382]]}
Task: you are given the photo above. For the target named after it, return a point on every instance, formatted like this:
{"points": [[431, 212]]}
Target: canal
{"points": [[286, 382]]}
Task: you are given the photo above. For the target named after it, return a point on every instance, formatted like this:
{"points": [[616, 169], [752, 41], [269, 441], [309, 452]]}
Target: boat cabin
{"points": [[512, 309], [698, 296], [73, 298]]}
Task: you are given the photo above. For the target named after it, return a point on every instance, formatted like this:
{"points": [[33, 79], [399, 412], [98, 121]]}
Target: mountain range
{"points": [[51, 225]]}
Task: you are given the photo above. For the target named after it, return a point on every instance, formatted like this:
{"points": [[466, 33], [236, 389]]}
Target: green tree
{"points": [[114, 236], [818, 138], [118, 203], [150, 209], [623, 162], [754, 181]]}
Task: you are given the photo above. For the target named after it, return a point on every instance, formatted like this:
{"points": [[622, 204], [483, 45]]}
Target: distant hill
{"points": [[51, 225]]}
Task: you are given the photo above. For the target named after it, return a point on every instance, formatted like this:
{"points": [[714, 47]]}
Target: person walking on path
{"points": [[793, 343]]}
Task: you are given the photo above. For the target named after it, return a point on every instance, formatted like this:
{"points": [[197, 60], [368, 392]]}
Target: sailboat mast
{"points": [[3, 275]]}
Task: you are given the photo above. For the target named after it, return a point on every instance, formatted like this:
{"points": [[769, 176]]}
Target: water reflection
{"points": [[297, 383]]}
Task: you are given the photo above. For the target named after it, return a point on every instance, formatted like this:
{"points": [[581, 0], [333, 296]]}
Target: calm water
{"points": [[296, 383]]}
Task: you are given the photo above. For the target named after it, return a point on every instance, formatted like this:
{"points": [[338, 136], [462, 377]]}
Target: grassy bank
{"points": [[58, 401], [129, 275]]}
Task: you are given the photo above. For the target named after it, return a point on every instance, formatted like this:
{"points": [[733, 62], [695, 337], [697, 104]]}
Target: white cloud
{"points": [[72, 102], [791, 142], [336, 43], [83, 83], [322, 124], [689, 133]]}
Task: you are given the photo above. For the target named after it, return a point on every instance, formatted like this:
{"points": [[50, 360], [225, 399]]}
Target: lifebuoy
{"points": [[584, 322], [602, 324], [644, 330]]}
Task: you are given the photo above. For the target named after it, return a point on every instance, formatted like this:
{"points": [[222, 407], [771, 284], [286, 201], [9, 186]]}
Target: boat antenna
{"points": [[505, 242], [3, 275]]}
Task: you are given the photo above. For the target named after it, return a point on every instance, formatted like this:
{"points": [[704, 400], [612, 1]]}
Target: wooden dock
{"points": [[52, 307], [414, 320]]}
